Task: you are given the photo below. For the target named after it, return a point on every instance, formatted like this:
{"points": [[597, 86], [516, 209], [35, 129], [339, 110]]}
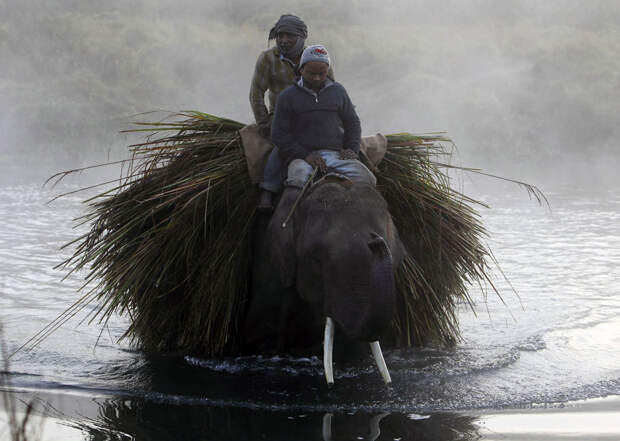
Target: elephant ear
{"points": [[396, 246]]}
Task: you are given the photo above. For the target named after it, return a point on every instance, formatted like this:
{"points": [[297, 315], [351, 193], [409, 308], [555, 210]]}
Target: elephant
{"points": [[329, 271]]}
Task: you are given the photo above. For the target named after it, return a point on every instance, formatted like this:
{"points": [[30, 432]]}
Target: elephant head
{"points": [[338, 256], [346, 249]]}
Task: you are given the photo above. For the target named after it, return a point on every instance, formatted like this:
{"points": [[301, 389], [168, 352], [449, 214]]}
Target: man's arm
{"points": [[260, 84], [282, 133], [351, 125]]}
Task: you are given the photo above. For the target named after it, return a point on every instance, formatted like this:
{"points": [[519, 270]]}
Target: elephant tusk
{"points": [[327, 427], [378, 356], [375, 430], [328, 349]]}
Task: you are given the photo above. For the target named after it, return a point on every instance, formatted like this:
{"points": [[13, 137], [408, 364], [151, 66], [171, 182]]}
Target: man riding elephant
{"points": [[276, 69], [315, 125]]}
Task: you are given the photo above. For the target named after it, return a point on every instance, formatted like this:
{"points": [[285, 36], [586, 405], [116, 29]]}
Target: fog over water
{"points": [[523, 87]]}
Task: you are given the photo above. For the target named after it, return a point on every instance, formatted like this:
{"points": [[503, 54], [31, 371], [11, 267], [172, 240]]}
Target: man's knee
{"points": [[356, 171], [272, 173], [299, 171]]}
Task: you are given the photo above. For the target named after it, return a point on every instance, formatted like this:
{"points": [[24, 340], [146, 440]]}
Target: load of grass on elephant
{"points": [[179, 247]]}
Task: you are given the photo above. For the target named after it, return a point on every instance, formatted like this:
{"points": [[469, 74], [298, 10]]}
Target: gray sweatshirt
{"points": [[305, 121]]}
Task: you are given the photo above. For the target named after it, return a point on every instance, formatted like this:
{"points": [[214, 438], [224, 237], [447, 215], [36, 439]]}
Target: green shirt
{"points": [[275, 73]]}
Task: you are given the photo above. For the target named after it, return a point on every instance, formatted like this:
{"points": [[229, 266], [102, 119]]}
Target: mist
{"points": [[525, 89]]}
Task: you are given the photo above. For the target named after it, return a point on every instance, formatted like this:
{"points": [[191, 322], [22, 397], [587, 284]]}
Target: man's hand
{"points": [[348, 154], [265, 129], [315, 160]]}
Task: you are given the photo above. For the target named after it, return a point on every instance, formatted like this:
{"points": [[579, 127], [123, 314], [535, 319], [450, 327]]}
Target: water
{"points": [[557, 340]]}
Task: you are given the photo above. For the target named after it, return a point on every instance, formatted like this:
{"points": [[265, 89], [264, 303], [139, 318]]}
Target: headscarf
{"points": [[292, 25]]}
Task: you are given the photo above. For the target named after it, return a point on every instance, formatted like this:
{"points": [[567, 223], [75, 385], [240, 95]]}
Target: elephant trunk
{"points": [[362, 296], [376, 314]]}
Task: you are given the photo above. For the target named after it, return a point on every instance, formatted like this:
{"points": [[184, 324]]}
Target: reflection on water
{"points": [[124, 418], [155, 422]]}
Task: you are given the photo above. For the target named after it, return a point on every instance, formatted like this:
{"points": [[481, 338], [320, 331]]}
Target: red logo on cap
{"points": [[319, 51]]}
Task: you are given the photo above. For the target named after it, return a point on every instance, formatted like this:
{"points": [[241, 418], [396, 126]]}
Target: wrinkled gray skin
{"points": [[336, 258]]}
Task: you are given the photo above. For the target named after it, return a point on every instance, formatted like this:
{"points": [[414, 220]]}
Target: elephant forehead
{"points": [[333, 198], [344, 211]]}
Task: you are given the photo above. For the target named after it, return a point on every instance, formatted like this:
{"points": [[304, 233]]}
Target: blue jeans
{"points": [[272, 175], [299, 171]]}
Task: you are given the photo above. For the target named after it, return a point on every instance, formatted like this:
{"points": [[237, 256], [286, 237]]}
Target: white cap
{"points": [[315, 52]]}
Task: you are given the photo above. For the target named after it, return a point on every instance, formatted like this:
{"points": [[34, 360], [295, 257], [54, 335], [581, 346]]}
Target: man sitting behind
{"points": [[276, 69], [315, 125]]}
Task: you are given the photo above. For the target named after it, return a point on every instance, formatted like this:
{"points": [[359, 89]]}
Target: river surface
{"points": [[557, 340]]}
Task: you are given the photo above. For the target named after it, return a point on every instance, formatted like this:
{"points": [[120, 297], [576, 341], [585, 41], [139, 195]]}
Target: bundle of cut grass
{"points": [[443, 236], [171, 245]]}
